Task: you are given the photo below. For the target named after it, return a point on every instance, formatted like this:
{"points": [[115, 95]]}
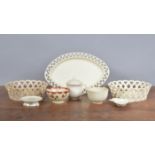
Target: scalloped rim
{"points": [[132, 94], [134, 81], [77, 55]]}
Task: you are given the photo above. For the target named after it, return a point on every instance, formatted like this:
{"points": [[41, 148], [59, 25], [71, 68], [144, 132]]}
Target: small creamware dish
{"points": [[31, 101], [97, 94], [58, 95], [119, 101]]}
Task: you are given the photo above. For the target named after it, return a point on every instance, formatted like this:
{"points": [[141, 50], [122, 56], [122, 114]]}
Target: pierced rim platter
{"points": [[87, 68]]}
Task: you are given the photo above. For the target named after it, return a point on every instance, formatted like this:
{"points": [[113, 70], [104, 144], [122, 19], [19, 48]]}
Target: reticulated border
{"points": [[77, 55]]}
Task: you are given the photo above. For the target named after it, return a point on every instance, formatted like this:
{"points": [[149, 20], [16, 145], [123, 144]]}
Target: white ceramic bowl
{"points": [[97, 94], [58, 95], [31, 101]]}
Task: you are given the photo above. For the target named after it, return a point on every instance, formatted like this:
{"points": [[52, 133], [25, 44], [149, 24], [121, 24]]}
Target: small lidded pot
{"points": [[76, 89]]}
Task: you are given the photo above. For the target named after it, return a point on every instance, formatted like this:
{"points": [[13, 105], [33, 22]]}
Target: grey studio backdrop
{"points": [[27, 56]]}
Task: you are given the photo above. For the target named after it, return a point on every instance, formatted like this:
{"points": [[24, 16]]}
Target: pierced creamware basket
{"points": [[18, 89], [134, 91]]}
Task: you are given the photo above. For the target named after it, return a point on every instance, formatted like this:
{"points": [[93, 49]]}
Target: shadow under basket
{"points": [[134, 91]]}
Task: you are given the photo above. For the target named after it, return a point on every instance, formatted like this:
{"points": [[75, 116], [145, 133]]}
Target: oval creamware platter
{"points": [[87, 68]]}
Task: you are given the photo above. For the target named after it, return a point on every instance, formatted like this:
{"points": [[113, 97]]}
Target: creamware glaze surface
{"points": [[19, 89], [58, 95], [97, 94], [87, 68]]}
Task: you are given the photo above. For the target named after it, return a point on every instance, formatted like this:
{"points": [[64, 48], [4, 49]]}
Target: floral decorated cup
{"points": [[58, 95]]}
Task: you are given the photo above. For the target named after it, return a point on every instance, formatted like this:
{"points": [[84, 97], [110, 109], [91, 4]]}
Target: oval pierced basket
{"points": [[18, 89], [134, 91]]}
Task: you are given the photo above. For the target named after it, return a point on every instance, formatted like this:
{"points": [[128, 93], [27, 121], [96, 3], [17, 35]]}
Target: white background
{"points": [[77, 16]]}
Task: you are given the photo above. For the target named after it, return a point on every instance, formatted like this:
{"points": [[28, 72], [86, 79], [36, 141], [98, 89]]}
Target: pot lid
{"points": [[74, 82]]}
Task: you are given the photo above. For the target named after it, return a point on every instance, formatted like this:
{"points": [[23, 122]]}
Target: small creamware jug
{"points": [[76, 88]]}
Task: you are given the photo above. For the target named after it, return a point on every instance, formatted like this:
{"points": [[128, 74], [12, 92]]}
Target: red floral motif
{"points": [[52, 96]]}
